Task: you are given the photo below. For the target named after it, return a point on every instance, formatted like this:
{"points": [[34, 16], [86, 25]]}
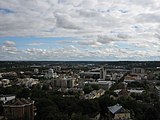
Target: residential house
{"points": [[117, 112], [94, 94], [6, 98], [5, 83]]}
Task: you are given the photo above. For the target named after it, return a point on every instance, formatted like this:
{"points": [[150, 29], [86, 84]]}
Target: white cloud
{"points": [[36, 44], [9, 43], [8, 47]]}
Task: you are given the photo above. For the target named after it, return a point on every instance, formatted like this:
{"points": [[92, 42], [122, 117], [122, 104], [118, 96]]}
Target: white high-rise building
{"points": [[50, 74], [36, 70]]}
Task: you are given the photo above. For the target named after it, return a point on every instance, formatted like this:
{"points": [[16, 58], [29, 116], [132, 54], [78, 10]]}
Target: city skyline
{"points": [[80, 30]]}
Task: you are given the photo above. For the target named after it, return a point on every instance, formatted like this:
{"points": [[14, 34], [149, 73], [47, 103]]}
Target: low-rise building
{"points": [[157, 88], [138, 70], [65, 82], [28, 82], [19, 109], [9, 75], [6, 98], [94, 94], [132, 78], [101, 84], [5, 83], [117, 112], [49, 74], [135, 91]]}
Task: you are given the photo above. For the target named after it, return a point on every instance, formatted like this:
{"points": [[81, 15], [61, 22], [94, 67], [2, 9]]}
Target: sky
{"points": [[80, 30]]}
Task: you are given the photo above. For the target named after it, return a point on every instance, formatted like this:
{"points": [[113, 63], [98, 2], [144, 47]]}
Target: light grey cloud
{"points": [[149, 18], [9, 44], [66, 22], [97, 24]]}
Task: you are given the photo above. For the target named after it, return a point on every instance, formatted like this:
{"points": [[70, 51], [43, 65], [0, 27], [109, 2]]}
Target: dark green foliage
{"points": [[104, 102], [24, 93], [88, 106], [95, 87], [151, 114], [143, 85], [79, 116], [87, 89]]}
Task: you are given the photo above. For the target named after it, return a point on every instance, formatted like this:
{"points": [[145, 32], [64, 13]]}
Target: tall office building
{"points": [[50, 73], [103, 73]]}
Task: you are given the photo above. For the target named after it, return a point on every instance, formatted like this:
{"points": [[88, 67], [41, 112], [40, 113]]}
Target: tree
{"points": [[87, 89], [89, 106], [46, 109], [79, 116], [151, 114], [95, 87], [104, 102], [24, 93]]}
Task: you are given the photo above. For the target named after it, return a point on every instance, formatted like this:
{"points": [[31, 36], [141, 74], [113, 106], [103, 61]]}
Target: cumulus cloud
{"points": [[9, 44], [8, 47]]}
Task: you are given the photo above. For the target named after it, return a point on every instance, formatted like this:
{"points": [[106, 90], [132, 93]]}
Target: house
{"points": [[94, 94], [117, 112], [5, 83], [6, 98], [19, 109], [28, 82]]}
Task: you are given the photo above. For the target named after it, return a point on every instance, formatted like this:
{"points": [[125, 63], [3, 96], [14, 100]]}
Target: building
{"points": [[64, 82], [128, 92], [157, 88], [1, 75], [90, 74], [9, 75], [112, 73], [6, 98], [101, 84], [50, 74], [28, 82], [94, 94], [138, 70], [103, 73], [117, 112], [132, 78], [5, 83], [36, 70], [19, 109]]}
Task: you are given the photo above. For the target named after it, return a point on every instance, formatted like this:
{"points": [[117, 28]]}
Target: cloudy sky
{"points": [[102, 30]]}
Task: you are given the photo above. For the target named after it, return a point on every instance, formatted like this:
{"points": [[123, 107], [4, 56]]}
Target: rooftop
{"points": [[117, 109]]}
